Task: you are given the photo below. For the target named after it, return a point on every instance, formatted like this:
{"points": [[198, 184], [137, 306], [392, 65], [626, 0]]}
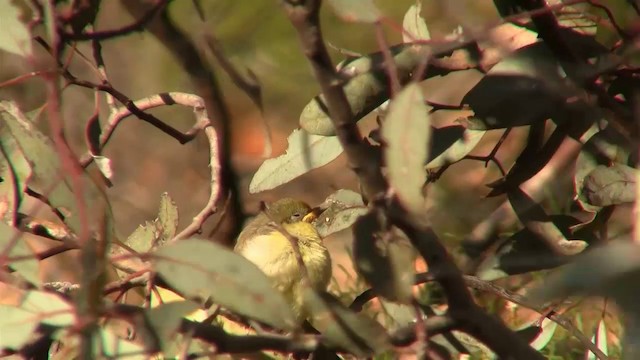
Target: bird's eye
{"points": [[296, 216]]}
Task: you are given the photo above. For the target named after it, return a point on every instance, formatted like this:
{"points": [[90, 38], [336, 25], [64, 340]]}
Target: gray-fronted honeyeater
{"points": [[263, 243]]}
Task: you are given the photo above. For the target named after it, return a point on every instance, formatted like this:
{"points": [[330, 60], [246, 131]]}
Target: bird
{"points": [[263, 242]]}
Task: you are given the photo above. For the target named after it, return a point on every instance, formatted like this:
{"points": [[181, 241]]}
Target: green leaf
{"points": [[600, 339], [415, 28], [356, 10], [407, 134], [384, 259], [611, 185], [357, 333], [15, 171], [451, 144], [45, 163], [28, 269], [342, 209], [18, 323], [15, 36], [304, 153], [167, 218], [104, 165], [165, 320], [200, 268]]}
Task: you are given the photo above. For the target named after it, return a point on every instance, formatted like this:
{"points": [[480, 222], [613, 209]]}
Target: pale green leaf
{"points": [[200, 268], [600, 339], [610, 185], [407, 133], [15, 171], [15, 36], [548, 329], [342, 209], [167, 218], [415, 28], [304, 153], [451, 144], [165, 320]]}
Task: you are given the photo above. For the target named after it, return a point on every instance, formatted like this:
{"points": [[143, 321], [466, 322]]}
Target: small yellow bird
{"points": [[263, 243]]}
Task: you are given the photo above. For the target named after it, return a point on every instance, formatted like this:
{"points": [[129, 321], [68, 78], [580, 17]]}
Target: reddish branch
{"points": [[304, 16]]}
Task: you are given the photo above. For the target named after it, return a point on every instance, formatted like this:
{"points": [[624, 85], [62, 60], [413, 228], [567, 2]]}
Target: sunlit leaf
{"points": [[610, 185], [163, 296], [304, 153], [200, 268], [104, 165], [548, 329], [367, 87], [415, 28], [407, 134], [107, 344], [355, 332], [342, 209], [15, 36], [600, 339], [356, 10], [384, 259]]}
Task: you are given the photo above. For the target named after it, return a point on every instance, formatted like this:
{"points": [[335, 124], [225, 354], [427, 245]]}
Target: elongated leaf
{"points": [[451, 144], [342, 209], [200, 268], [385, 261], [304, 153], [167, 218], [600, 339], [45, 163], [29, 269], [415, 28], [357, 333], [522, 89], [610, 185], [15, 36], [407, 133], [356, 10]]}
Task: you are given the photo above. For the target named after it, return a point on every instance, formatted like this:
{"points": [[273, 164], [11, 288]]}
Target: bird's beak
{"points": [[312, 215]]}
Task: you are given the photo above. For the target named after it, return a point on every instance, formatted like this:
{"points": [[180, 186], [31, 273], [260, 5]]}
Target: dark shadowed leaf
{"points": [[522, 89], [342, 209], [166, 319], [383, 258], [15, 36], [535, 219], [525, 252], [167, 218], [450, 144], [17, 323], [415, 28], [356, 10], [200, 268], [29, 269], [357, 333], [407, 134], [304, 153], [612, 185]]}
